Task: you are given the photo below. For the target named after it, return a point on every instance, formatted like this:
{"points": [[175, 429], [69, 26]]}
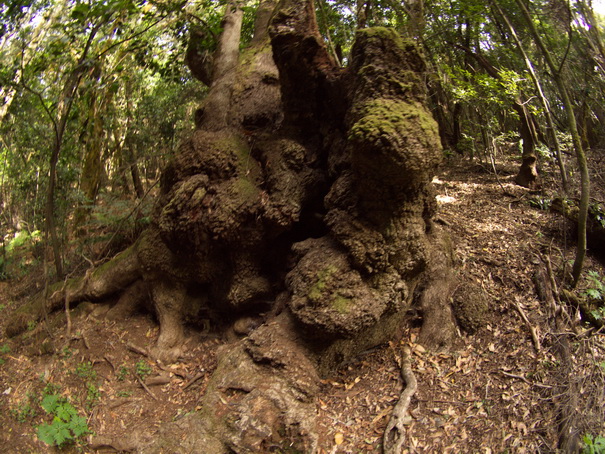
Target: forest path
{"points": [[491, 394]]}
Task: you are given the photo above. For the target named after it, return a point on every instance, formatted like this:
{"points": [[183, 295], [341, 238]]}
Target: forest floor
{"points": [[497, 391]]}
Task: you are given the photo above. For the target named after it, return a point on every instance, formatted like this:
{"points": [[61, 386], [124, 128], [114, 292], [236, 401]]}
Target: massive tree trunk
{"points": [[304, 202]]}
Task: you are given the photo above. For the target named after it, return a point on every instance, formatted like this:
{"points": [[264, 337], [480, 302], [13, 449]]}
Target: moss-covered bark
{"points": [[309, 210]]}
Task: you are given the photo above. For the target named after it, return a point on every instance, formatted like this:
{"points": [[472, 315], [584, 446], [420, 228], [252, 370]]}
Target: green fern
{"points": [[593, 445], [67, 426]]}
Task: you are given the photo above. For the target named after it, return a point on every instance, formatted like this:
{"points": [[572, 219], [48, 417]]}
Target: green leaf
{"points": [[598, 315], [62, 435], [46, 433], [594, 294], [65, 412], [50, 403], [79, 426]]}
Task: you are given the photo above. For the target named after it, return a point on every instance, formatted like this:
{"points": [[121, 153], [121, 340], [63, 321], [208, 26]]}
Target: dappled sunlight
{"points": [[491, 227], [442, 199]]}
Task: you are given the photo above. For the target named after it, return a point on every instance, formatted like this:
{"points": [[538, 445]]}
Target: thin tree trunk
{"points": [[63, 110], [576, 139], [549, 120], [139, 189]]}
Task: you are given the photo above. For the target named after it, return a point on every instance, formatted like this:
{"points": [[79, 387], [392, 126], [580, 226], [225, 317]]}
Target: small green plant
{"points": [[597, 288], [67, 426], [51, 388], [2, 307], [67, 352], [598, 314], [593, 445], [93, 395], [85, 370], [4, 349], [25, 410], [542, 203], [124, 394], [142, 369], [122, 373], [31, 325], [548, 364]]}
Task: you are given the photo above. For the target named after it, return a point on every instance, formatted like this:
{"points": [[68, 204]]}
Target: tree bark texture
{"points": [[309, 209]]}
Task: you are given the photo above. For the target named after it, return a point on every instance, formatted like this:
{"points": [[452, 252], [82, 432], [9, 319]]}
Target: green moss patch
{"points": [[384, 118], [323, 277]]}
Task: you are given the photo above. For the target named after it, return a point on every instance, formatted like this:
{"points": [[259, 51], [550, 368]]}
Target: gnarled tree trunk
{"points": [[307, 198]]}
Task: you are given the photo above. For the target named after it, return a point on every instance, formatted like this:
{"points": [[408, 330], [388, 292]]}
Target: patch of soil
{"points": [[495, 393], [100, 369]]}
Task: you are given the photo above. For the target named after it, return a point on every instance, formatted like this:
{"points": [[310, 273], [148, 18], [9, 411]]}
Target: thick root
{"points": [[394, 434], [110, 278], [439, 328], [168, 300]]}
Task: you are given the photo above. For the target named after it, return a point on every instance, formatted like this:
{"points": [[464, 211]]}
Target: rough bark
{"points": [[528, 174], [310, 206]]}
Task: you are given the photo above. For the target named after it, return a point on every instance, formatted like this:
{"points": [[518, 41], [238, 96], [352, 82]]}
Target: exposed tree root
{"points": [[394, 435], [438, 328], [565, 395], [585, 311]]}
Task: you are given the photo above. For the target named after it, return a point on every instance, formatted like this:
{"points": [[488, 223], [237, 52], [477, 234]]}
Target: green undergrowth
{"points": [[66, 427]]}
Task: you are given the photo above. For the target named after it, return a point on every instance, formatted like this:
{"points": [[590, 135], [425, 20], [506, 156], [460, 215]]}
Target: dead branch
{"points": [[394, 435], [146, 388], [193, 380], [519, 377], [532, 329]]}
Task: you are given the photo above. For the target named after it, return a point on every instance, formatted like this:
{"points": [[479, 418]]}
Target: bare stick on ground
{"points": [[532, 329]]}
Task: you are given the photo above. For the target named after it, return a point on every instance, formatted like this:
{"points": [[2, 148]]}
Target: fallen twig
{"points": [[520, 377], [146, 388], [532, 329], [394, 434], [193, 380]]}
